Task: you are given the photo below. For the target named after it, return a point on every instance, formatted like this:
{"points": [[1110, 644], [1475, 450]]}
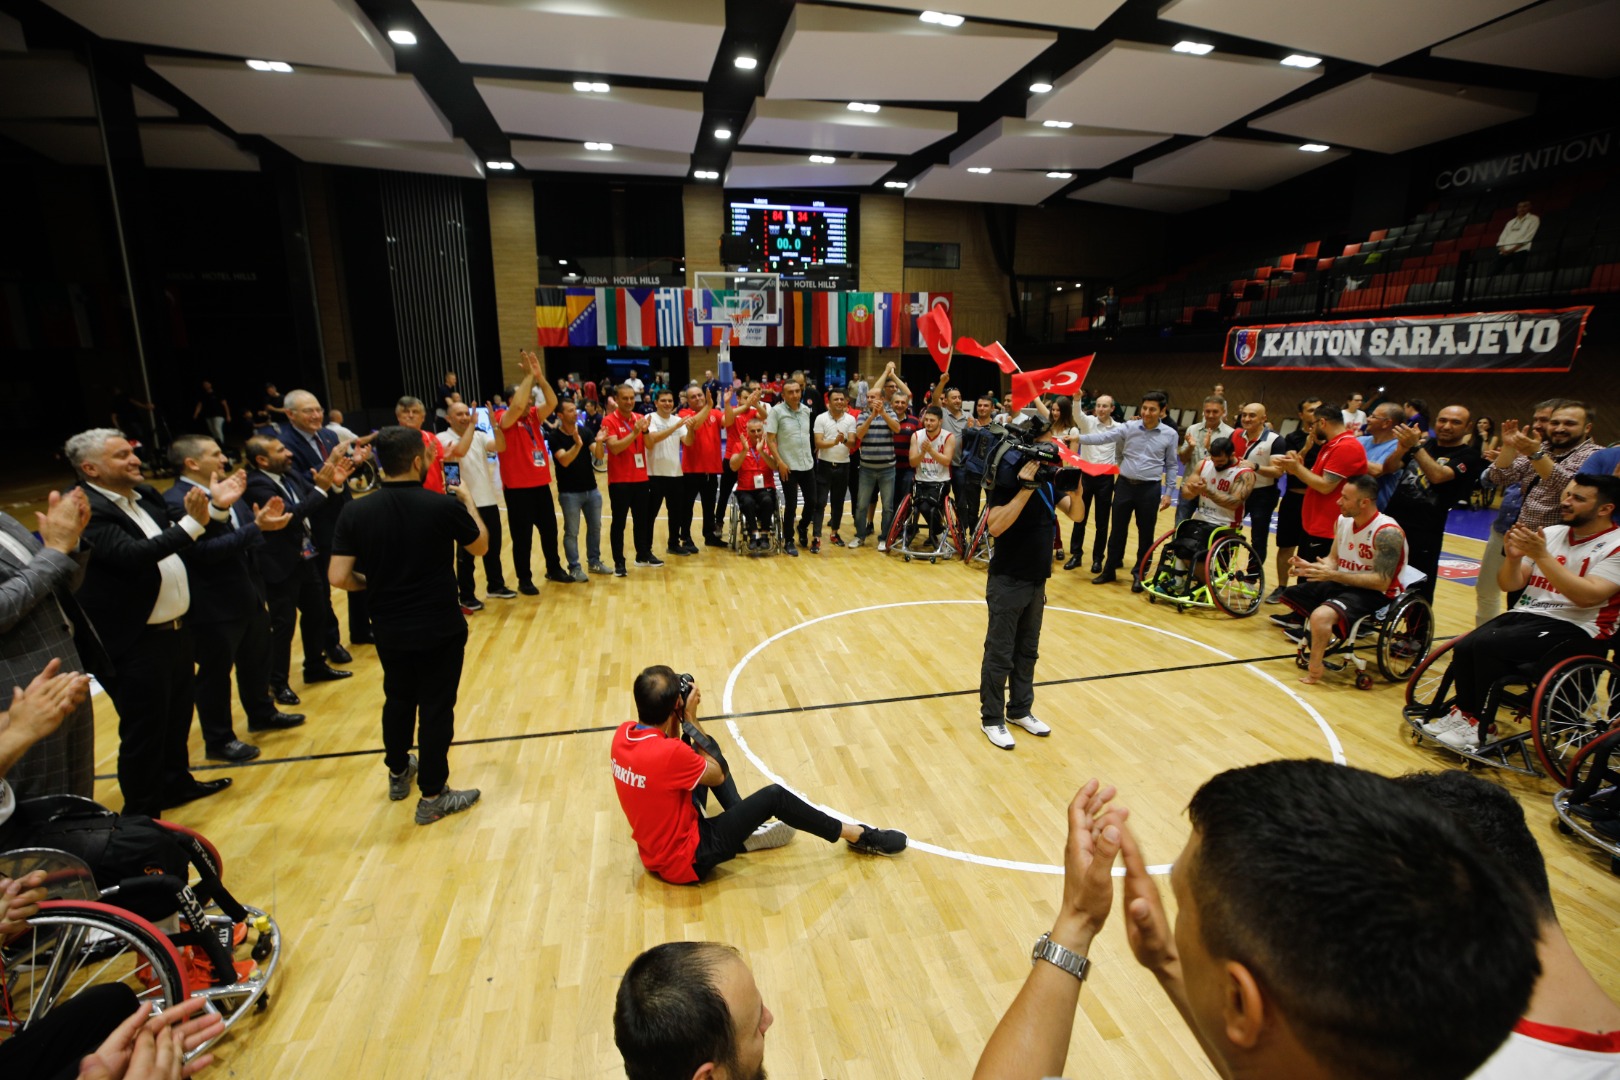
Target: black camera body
{"points": [[995, 454], [687, 684]]}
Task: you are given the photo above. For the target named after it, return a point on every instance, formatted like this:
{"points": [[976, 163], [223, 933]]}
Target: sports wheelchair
{"points": [[146, 909], [915, 511], [736, 533], [1220, 570], [1589, 804], [1402, 631], [1558, 711]]}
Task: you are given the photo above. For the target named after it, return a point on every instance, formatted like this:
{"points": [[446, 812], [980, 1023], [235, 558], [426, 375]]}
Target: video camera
{"points": [[994, 455]]}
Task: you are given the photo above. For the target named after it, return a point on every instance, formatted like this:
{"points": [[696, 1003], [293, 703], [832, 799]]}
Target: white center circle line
{"points": [[726, 706]]}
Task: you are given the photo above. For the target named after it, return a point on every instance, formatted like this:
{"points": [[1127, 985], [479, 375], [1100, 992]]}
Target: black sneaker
{"points": [[620, 571], [528, 588], [651, 561], [502, 593], [879, 841], [1289, 621], [472, 603], [790, 549], [815, 546]]}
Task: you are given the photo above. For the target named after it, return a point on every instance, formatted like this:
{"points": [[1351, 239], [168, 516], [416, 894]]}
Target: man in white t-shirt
{"points": [[1570, 577], [469, 448], [664, 473], [634, 383], [1518, 232], [931, 451], [833, 434]]}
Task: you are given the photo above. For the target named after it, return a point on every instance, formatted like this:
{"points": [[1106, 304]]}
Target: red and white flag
{"points": [[1066, 379], [992, 352]]}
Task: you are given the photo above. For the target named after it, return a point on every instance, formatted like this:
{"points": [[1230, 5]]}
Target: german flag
{"points": [[551, 317]]}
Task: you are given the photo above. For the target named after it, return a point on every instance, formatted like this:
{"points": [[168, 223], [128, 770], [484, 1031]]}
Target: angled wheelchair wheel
{"points": [[1429, 690], [1236, 576], [897, 530], [1574, 705], [981, 546], [734, 524], [1155, 559], [1405, 636]]}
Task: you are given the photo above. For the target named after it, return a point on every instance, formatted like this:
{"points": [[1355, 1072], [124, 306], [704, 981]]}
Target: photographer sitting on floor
{"points": [[656, 771]]}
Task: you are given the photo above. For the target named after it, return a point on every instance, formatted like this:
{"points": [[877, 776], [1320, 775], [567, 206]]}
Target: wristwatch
{"points": [[1053, 953], [1538, 455]]}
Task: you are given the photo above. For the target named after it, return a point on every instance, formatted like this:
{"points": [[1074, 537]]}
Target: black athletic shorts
{"points": [[1290, 529], [1351, 604]]}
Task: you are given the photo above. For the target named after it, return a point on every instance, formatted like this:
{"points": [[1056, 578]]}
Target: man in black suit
{"points": [[305, 433], [229, 616], [137, 595], [289, 559]]}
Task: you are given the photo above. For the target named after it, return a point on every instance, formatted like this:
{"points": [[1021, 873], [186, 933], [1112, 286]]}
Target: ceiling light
{"points": [[705, 174], [259, 65], [1194, 47], [895, 184], [861, 106], [977, 169], [279, 66], [939, 18], [1060, 176], [599, 146], [1040, 88], [586, 87], [1057, 123], [747, 63], [499, 165], [1296, 60], [1314, 147], [562, 262], [722, 133], [1060, 288], [402, 37], [822, 159]]}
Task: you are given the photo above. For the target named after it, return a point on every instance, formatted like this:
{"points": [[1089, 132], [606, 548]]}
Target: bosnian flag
{"points": [[1066, 379], [638, 317]]}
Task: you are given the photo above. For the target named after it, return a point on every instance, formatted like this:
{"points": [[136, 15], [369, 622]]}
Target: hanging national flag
{"points": [[582, 316], [827, 319], [550, 317], [637, 318], [1066, 379], [707, 337], [673, 328], [607, 318], [858, 312], [992, 352], [798, 317], [885, 333], [914, 307]]}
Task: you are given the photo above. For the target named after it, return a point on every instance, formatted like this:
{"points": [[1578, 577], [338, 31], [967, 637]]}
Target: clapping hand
{"points": [[1522, 541], [272, 516], [50, 696], [1408, 435], [147, 1047], [64, 520], [196, 503], [224, 492]]}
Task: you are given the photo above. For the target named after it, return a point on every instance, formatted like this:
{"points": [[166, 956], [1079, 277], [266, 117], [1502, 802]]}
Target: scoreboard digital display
{"points": [[793, 238]]}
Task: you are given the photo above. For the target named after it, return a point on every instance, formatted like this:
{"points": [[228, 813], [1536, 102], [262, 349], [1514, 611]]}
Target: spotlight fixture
{"points": [[587, 87], [1060, 176], [1296, 60], [1040, 88], [280, 67], [980, 169], [895, 184], [599, 146], [939, 18], [1057, 123], [562, 262], [705, 174], [1196, 48], [822, 159], [722, 133], [402, 37], [1060, 288], [747, 63], [861, 106], [1314, 147]]}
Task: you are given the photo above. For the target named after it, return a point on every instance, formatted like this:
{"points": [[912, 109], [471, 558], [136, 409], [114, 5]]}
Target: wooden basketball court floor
{"points": [[491, 943]]}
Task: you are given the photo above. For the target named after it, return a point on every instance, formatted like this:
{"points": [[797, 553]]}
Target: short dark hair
{"points": [[1158, 397], [1304, 401], [657, 689], [258, 446], [667, 392], [1366, 483], [1571, 403], [934, 410], [1340, 891], [1494, 818], [985, 398], [396, 447], [1608, 487], [1334, 414], [187, 446], [669, 1017], [407, 403], [1221, 445]]}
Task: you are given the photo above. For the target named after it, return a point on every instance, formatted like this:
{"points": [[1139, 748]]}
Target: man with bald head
{"points": [[1438, 474], [1254, 443], [1386, 457]]}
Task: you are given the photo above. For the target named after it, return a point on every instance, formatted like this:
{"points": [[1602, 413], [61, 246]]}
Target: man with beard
{"points": [[1544, 466], [1290, 528]]}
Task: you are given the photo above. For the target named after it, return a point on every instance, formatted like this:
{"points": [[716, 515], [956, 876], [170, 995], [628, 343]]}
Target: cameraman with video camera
{"points": [[1022, 516], [662, 759]]}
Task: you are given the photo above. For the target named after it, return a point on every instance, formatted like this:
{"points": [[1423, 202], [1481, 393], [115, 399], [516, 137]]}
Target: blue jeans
{"points": [[873, 480], [573, 502]]}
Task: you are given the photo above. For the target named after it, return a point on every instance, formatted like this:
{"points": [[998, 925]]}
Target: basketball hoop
{"points": [[745, 305]]}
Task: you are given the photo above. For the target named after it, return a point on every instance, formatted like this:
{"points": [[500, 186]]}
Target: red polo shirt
{"points": [[525, 463], [702, 454], [628, 466], [434, 455], [737, 434], [654, 777], [1344, 456]]}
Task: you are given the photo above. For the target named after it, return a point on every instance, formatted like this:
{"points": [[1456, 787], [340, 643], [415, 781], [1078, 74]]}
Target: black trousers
{"points": [[359, 618], [757, 509], [903, 477], [721, 838], [1507, 641], [626, 500], [700, 486], [51, 1047], [666, 491], [1098, 490], [968, 494], [728, 482], [242, 644], [832, 484], [153, 693], [1138, 500], [1261, 505], [494, 578], [797, 481], [419, 701], [1012, 644], [304, 599], [1424, 537], [530, 509]]}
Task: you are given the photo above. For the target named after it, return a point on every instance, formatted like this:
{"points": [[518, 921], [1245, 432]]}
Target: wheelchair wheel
{"points": [[1573, 706], [979, 549], [1155, 558], [897, 530], [72, 945], [1236, 576], [733, 527], [1405, 636], [1429, 690]]}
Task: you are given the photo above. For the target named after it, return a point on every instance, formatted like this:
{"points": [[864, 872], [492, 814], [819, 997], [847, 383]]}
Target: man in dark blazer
{"points": [[138, 596], [289, 559], [305, 433], [229, 616], [41, 621]]}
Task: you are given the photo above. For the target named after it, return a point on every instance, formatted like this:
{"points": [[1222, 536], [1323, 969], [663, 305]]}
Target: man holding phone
{"points": [[466, 450]]}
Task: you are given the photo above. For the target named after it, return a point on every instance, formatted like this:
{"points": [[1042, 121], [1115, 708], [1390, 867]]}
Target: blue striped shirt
{"points": [[1145, 453]]}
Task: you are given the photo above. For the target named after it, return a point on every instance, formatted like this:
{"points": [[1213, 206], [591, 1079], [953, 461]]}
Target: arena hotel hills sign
{"points": [[1526, 166], [1480, 342]]}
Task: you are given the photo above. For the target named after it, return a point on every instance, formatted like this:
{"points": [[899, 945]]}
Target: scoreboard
{"points": [[790, 238]]}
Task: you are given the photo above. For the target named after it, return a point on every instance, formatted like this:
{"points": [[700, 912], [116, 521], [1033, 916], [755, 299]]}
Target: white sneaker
{"points": [[1446, 722], [1464, 736], [1000, 736], [855, 543], [772, 834], [883, 545], [1030, 724]]}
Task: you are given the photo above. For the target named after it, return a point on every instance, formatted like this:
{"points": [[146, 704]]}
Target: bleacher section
{"points": [[1443, 257]]}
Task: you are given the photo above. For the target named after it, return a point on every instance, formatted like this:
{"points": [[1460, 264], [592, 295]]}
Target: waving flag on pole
{"points": [[992, 352], [1075, 461], [934, 328], [1066, 379]]}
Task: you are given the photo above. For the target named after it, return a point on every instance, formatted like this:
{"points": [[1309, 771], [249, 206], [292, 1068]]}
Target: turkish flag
{"points": [[1065, 379], [992, 352], [934, 326], [1075, 461]]}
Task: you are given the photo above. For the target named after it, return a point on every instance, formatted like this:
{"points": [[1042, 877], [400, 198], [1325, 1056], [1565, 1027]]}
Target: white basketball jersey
{"points": [[1597, 557], [1220, 480], [1356, 547]]}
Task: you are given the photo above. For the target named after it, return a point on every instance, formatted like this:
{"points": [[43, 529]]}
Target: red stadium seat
{"points": [[1377, 235], [1286, 262], [1310, 250], [1352, 249]]}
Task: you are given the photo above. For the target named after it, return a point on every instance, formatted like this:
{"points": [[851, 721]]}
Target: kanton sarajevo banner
{"points": [[1480, 342]]}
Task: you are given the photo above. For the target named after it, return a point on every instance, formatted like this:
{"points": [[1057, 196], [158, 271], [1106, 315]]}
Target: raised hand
{"points": [[64, 520], [1147, 928], [272, 516], [224, 493], [1408, 435], [50, 696], [1088, 857], [196, 503]]}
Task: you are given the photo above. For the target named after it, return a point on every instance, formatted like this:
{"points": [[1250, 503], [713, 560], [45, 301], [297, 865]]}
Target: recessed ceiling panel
{"points": [[959, 185], [1367, 31], [452, 158], [1384, 113], [1075, 14], [656, 119], [310, 102], [748, 170], [1169, 200], [12, 38], [820, 125], [192, 146], [328, 33], [1150, 88], [67, 144], [48, 85], [1566, 37], [1243, 164], [844, 54], [1010, 143], [651, 38], [623, 160]]}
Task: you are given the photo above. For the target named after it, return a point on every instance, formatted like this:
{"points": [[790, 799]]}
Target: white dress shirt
{"points": [[474, 465], [1518, 232], [1100, 453], [174, 592]]}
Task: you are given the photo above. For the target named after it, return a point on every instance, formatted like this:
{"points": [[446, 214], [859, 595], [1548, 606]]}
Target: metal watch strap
{"points": [[1058, 956]]}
